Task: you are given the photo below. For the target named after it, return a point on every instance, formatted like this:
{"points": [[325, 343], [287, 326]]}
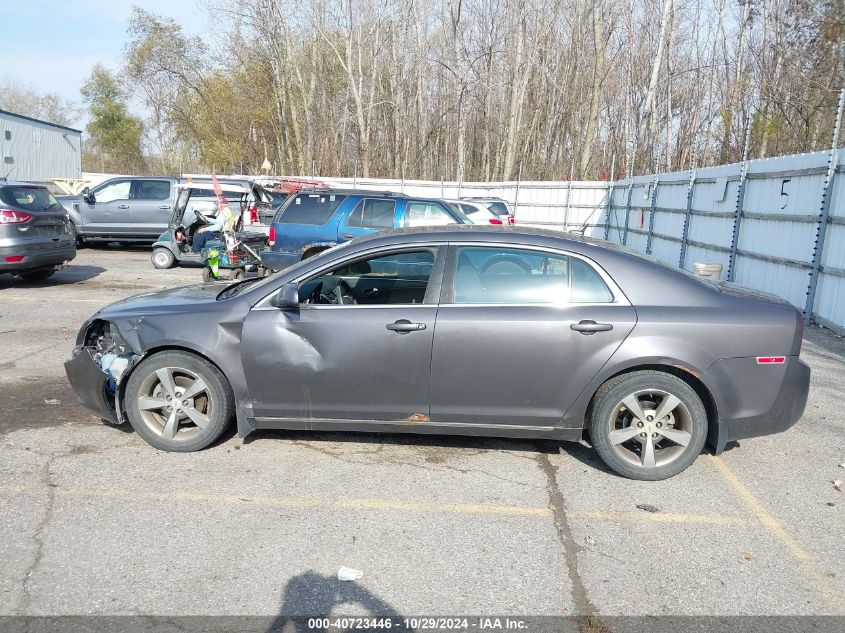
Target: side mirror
{"points": [[288, 297], [87, 195]]}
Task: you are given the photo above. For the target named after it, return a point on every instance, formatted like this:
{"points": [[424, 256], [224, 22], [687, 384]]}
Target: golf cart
{"points": [[237, 253]]}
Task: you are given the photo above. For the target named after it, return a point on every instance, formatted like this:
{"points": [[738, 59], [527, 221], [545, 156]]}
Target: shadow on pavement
{"points": [[73, 274], [312, 594]]}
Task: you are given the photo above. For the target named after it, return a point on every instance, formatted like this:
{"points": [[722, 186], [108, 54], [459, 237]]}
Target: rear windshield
{"points": [[309, 208], [28, 198], [498, 207]]}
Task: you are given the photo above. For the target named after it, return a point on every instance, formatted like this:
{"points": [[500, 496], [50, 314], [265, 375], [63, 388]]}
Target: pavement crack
{"points": [[25, 600], [583, 606]]}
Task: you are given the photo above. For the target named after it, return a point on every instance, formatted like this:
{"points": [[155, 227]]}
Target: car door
{"points": [[520, 332], [109, 211], [335, 359], [369, 216], [152, 205]]}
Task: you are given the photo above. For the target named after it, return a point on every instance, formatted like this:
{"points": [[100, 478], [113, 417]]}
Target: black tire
{"points": [[238, 274], [218, 394], [208, 274], [623, 457], [162, 258], [42, 274], [80, 243]]}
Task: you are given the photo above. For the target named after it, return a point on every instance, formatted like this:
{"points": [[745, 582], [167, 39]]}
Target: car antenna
{"points": [[9, 173]]}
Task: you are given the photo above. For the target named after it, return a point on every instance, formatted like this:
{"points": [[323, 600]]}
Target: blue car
{"points": [[314, 220]]}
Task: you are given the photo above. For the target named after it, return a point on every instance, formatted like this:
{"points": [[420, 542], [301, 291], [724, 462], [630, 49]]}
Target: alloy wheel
{"points": [[175, 403], [650, 428]]}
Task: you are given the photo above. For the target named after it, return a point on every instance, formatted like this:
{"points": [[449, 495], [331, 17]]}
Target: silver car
{"points": [[34, 236]]}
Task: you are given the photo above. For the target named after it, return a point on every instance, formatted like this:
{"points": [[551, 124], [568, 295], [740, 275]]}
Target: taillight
{"points": [[495, 221], [272, 236], [771, 360], [14, 259], [253, 214], [7, 216], [511, 219]]}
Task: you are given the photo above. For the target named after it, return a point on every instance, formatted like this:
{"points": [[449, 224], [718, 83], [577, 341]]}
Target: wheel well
{"points": [[684, 374], [164, 348], [310, 252]]}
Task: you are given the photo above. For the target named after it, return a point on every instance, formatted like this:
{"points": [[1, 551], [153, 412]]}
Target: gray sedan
{"points": [[462, 330]]}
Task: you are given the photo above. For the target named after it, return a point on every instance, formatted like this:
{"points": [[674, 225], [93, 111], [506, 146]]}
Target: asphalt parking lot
{"points": [[95, 521]]}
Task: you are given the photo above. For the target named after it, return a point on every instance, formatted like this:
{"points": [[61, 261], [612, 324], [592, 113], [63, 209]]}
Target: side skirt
{"points": [[406, 426]]}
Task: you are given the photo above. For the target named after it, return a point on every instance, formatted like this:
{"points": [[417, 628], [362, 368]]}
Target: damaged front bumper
{"points": [[97, 368], [91, 384]]}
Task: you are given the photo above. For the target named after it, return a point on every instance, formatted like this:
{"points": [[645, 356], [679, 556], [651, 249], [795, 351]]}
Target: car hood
{"points": [[187, 298]]}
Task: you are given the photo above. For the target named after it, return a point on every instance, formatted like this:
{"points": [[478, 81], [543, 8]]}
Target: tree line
{"points": [[472, 89]]}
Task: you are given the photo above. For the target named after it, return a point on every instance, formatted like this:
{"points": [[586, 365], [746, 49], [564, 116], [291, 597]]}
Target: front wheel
{"points": [[162, 258], [179, 402], [648, 425]]}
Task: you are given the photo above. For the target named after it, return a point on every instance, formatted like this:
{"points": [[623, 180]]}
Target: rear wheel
{"points": [[41, 274], [648, 425], [177, 401], [208, 274], [238, 274], [162, 258]]}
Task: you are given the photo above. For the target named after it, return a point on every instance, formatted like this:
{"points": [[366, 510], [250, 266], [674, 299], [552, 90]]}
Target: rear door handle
{"points": [[589, 327], [123, 206], [164, 206], [404, 325], [348, 236]]}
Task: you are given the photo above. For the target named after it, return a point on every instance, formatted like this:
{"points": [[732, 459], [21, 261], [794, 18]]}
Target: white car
{"points": [[477, 212]]}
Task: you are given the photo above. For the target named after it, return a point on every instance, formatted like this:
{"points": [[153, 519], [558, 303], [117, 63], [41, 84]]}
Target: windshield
{"points": [[233, 290], [498, 207], [654, 260]]}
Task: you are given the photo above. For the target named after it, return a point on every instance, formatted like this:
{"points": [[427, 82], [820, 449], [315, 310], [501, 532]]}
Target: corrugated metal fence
{"points": [[760, 219]]}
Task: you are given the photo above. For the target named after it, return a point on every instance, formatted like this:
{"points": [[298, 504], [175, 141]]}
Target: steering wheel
{"points": [[316, 294], [200, 216], [344, 289]]}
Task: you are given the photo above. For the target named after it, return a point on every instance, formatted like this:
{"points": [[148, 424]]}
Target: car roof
{"points": [[367, 193]]}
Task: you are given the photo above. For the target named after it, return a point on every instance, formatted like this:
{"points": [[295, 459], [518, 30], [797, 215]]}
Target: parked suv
{"points": [[124, 209], [314, 220], [34, 235]]}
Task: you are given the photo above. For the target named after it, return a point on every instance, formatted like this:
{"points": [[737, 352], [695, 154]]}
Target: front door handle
{"points": [[404, 325], [123, 206], [164, 206], [348, 236], [589, 327]]}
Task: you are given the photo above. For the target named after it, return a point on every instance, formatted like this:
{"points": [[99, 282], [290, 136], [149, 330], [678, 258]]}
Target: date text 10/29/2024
{"points": [[418, 624]]}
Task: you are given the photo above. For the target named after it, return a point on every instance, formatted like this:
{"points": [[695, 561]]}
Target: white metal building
{"points": [[36, 151]]}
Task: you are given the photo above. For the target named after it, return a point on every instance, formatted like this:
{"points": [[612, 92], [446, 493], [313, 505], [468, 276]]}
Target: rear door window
{"points": [[28, 198], [152, 190], [373, 214], [501, 275], [312, 208]]}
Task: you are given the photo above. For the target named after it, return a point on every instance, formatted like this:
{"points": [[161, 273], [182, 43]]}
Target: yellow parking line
{"points": [[811, 570], [381, 504]]}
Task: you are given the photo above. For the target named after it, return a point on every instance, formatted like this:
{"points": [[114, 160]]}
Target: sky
{"points": [[51, 45]]}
